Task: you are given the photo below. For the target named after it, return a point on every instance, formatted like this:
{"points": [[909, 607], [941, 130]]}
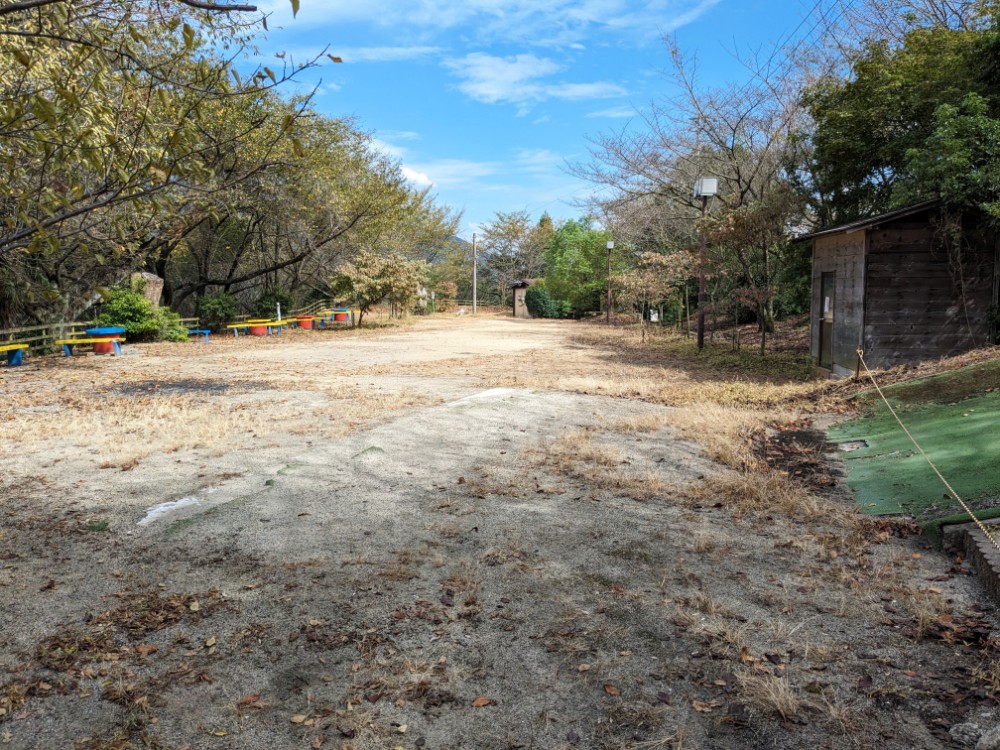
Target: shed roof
{"points": [[873, 221]]}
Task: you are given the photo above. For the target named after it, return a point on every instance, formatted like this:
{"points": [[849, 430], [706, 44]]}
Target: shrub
{"points": [[445, 294], [540, 303], [215, 310], [266, 305], [129, 309]]}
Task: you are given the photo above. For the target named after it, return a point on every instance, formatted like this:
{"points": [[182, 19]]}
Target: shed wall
{"points": [[842, 254], [919, 306]]}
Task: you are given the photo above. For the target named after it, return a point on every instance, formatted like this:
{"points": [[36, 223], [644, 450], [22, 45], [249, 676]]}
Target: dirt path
{"points": [[443, 537]]}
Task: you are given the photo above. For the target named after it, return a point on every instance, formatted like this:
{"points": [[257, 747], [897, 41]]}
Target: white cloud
{"points": [[517, 80], [494, 79], [400, 135], [614, 112], [528, 21], [389, 149], [417, 178], [385, 54], [597, 90]]}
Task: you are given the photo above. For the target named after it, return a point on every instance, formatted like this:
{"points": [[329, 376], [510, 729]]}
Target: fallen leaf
{"points": [[298, 719], [210, 642], [145, 649], [611, 690], [219, 733], [481, 702], [865, 683], [195, 606], [572, 737], [583, 668], [704, 708], [249, 700], [401, 728]]}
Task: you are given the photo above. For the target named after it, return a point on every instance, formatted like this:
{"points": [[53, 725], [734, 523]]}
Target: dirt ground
{"points": [[462, 533]]}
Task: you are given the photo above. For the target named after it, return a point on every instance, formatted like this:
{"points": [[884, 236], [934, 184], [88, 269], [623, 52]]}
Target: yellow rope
{"points": [[966, 508]]}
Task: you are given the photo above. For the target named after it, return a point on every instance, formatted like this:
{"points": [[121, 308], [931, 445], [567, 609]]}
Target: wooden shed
{"points": [[891, 286], [520, 289]]}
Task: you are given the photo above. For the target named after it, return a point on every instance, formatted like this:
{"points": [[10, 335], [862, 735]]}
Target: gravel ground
{"points": [[379, 539]]}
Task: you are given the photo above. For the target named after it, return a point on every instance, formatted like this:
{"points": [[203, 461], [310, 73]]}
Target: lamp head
{"points": [[706, 187]]}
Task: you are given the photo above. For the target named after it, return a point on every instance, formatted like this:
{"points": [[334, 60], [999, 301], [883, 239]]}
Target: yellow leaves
{"points": [[22, 57], [188, 33], [295, 8]]}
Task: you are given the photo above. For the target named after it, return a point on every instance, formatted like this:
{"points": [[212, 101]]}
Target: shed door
{"points": [[827, 299]]}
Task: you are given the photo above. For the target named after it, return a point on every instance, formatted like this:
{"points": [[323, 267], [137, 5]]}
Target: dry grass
{"points": [[119, 432], [768, 694], [130, 428], [763, 491], [600, 465]]}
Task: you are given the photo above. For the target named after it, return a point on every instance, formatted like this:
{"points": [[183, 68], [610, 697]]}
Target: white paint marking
{"points": [[490, 395], [163, 508]]}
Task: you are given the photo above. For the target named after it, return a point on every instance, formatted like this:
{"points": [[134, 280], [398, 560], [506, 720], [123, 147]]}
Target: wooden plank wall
{"points": [[914, 306], [842, 254]]}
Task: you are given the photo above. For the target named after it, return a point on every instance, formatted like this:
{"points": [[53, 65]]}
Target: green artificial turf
{"points": [[958, 430]]}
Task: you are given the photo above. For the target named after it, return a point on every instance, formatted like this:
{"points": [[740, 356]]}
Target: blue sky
{"points": [[488, 100]]}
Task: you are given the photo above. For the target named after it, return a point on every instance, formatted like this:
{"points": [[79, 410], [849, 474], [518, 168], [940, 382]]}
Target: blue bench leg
{"points": [[117, 346], [14, 358], [67, 350]]}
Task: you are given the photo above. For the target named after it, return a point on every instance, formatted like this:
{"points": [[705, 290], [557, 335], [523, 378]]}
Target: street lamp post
{"points": [[475, 271], [611, 246], [704, 188]]}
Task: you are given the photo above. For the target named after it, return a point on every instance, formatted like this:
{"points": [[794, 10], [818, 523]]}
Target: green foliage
{"points": [[540, 303], [131, 310], [266, 305], [373, 278], [866, 127], [215, 310], [959, 161], [793, 281], [512, 250], [577, 265]]}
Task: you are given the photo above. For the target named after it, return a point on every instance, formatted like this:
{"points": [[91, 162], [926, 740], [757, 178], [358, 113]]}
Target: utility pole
{"points": [[704, 188], [701, 276], [475, 269], [611, 246]]}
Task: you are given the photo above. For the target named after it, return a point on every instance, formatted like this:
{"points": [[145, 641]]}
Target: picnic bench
{"points": [[68, 344], [199, 332], [15, 353]]}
